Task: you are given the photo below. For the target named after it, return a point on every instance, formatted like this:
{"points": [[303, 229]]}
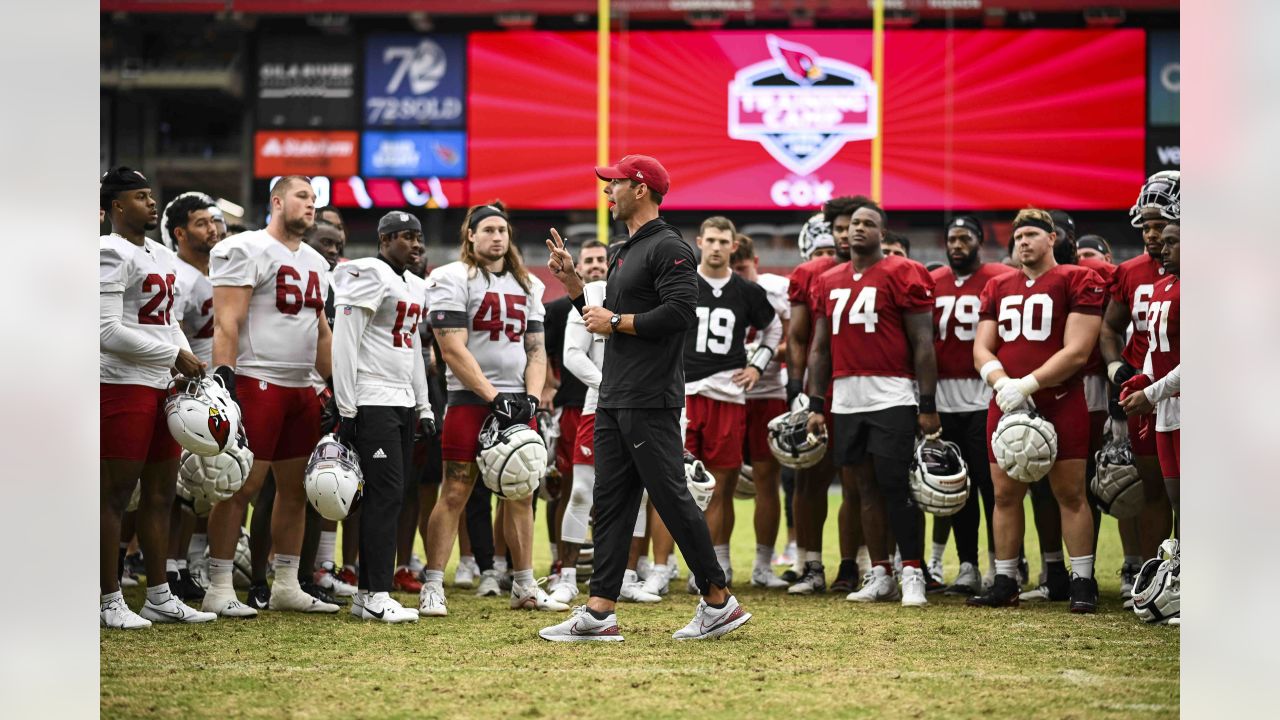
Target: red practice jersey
{"points": [[803, 278], [957, 301], [868, 331], [1163, 318], [1132, 285], [1106, 271]]}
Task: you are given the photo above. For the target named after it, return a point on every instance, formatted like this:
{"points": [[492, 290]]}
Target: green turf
{"points": [[800, 657]]}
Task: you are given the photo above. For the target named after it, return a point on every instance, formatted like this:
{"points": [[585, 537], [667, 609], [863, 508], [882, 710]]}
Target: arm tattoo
{"points": [[535, 346]]}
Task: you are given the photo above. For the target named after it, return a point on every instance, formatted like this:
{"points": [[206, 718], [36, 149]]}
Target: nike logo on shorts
{"points": [[1059, 397]]}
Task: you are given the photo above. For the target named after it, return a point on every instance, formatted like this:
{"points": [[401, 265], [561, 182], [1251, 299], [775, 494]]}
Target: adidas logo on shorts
{"points": [[379, 455]]}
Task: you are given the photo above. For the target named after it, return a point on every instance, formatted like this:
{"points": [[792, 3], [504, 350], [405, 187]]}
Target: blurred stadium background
{"points": [[987, 106]]}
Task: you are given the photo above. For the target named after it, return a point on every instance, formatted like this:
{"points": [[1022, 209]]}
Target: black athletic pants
{"points": [[638, 450], [479, 521], [384, 441], [969, 432]]}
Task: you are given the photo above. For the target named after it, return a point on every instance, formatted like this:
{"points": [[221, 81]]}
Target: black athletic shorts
{"points": [[888, 433]]}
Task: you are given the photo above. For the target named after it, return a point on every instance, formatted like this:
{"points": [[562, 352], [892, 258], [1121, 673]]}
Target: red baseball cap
{"points": [[641, 168]]}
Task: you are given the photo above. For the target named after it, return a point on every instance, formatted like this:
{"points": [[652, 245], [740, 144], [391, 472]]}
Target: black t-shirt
{"points": [[572, 392], [653, 275], [716, 344]]}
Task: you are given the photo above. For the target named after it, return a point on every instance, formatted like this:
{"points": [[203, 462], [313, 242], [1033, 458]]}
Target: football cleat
{"points": [[381, 606], [968, 581], [464, 576], [709, 623], [174, 610], [1055, 588], [878, 586], [1002, 593], [488, 586], [357, 604], [117, 616], [348, 575], [292, 599], [259, 596], [1084, 595], [320, 594], [533, 597], [330, 580], [658, 583], [935, 575], [813, 581], [763, 577], [404, 581], [633, 590], [561, 590], [914, 587], [431, 602], [643, 566], [225, 604], [846, 577], [582, 626]]}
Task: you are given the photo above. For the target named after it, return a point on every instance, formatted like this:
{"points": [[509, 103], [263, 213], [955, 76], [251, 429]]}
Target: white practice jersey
{"points": [[147, 278], [773, 384], [278, 338], [387, 355], [497, 312], [584, 357], [193, 310]]}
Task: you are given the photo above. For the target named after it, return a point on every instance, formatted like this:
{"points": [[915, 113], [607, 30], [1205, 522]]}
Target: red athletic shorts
{"points": [[759, 413], [584, 442], [1169, 448], [460, 439], [281, 423], [133, 425], [566, 444], [715, 431], [1142, 447], [1064, 406]]}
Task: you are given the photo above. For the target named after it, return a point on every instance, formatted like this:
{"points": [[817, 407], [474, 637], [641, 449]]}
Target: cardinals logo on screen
{"points": [[800, 106]]}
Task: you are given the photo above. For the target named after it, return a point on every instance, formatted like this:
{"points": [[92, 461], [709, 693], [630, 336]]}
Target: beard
{"points": [[297, 226], [957, 266]]}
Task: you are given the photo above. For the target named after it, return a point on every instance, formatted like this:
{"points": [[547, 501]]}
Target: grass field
{"points": [[814, 656]]}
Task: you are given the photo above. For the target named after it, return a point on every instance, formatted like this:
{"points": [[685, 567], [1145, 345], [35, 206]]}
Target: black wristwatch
{"points": [[613, 322]]}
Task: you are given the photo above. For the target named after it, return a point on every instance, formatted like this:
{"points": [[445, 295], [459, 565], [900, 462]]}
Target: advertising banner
{"points": [[414, 81], [1164, 79], [414, 154], [305, 152], [306, 82], [1164, 150]]}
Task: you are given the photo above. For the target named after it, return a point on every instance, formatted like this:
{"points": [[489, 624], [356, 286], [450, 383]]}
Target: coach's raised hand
{"points": [[560, 263]]}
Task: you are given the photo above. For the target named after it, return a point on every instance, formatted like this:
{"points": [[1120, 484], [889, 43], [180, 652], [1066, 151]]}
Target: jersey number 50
{"points": [[1031, 317]]}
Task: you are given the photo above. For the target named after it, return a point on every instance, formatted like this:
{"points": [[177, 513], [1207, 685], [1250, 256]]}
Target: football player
{"points": [[812, 484], [718, 372], [896, 244], [1035, 333], [269, 335], [1131, 289], [486, 311], [380, 384], [873, 334], [1094, 247], [962, 396], [330, 215], [141, 345], [765, 401]]}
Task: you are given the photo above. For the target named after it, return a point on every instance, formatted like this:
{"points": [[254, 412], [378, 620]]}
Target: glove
{"points": [[533, 402], [1120, 371], [427, 427], [512, 409], [347, 431], [795, 388], [228, 376], [328, 412], [1012, 394], [1137, 383]]}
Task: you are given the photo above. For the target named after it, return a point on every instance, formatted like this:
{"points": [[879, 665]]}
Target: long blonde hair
{"points": [[513, 261]]}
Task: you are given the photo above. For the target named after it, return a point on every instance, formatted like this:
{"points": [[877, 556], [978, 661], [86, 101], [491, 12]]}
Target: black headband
{"points": [[970, 224], [483, 212], [1092, 243], [122, 179], [1034, 222]]}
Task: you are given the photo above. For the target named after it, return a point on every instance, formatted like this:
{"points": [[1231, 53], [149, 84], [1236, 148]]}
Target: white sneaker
{"points": [[633, 590], [431, 602], [935, 570], [174, 610], [357, 604], [464, 576], [381, 606], [877, 586], [709, 622], [968, 581], [533, 597], [327, 578], [582, 626], [643, 567], [293, 599], [488, 586], [562, 591], [913, 587], [658, 583], [763, 577], [224, 603], [117, 615]]}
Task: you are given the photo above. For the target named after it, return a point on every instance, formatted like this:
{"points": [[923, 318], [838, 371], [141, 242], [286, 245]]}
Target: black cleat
{"points": [[259, 596], [846, 578], [1084, 595], [321, 594], [931, 584], [791, 576], [1002, 593], [185, 587]]}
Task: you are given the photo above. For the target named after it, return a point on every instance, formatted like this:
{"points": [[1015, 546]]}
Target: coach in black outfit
{"points": [[649, 305]]}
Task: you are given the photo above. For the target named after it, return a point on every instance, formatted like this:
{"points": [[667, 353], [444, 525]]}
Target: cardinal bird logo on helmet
{"points": [[219, 428], [799, 62]]}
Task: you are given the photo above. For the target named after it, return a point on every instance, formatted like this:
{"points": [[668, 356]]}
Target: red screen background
{"points": [[973, 119]]}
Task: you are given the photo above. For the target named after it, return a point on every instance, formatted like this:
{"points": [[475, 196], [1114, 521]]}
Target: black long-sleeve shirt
{"points": [[654, 277]]}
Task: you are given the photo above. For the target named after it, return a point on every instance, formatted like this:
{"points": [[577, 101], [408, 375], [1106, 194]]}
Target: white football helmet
{"points": [[702, 484], [814, 234], [214, 479], [1162, 190], [334, 482], [746, 487], [939, 478], [792, 443], [201, 415], [1116, 482], [512, 461], [1025, 445], [1157, 591]]}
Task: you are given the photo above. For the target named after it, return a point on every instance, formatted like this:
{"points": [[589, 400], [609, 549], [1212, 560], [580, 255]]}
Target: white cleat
{"points": [[633, 590], [935, 570], [643, 567], [968, 581], [293, 599], [709, 622], [763, 577], [117, 616], [357, 604], [224, 603], [658, 583], [488, 586], [533, 597], [174, 610], [464, 576], [561, 590], [913, 587], [327, 578], [582, 626], [431, 602], [381, 606], [877, 586]]}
